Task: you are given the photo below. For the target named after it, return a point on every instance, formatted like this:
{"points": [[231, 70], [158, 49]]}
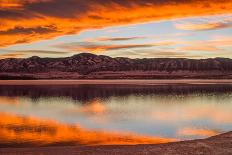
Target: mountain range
{"points": [[91, 66]]}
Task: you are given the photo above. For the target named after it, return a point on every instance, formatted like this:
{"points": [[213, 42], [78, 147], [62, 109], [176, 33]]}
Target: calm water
{"points": [[109, 114]]}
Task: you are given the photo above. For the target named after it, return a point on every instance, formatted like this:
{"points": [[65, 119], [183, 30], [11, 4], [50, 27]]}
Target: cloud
{"points": [[43, 52], [141, 53], [27, 53], [30, 20], [117, 39], [22, 30], [95, 47], [12, 55], [206, 23], [219, 42], [204, 26], [201, 48], [211, 45], [111, 39], [9, 4]]}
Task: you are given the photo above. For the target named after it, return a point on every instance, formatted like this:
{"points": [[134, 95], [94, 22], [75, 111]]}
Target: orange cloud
{"points": [[205, 23], [26, 21], [200, 48], [100, 47], [203, 26], [10, 4], [20, 130], [28, 53], [212, 45], [148, 53], [12, 55], [219, 42]]}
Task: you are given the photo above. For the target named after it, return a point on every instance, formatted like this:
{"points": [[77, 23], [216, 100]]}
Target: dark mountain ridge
{"points": [[86, 65]]}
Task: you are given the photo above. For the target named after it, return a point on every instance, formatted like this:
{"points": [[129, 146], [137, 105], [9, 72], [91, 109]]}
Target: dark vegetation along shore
{"points": [[86, 93], [90, 66], [217, 145]]}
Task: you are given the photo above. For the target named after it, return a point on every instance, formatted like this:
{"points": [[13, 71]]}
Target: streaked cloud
{"points": [[204, 26], [12, 55], [142, 53], [218, 42], [28, 53], [43, 52], [117, 39], [96, 47], [205, 23], [211, 45], [201, 48], [23, 30], [26, 21]]}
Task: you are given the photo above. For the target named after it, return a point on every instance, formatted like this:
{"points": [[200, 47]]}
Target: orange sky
{"points": [[25, 21]]}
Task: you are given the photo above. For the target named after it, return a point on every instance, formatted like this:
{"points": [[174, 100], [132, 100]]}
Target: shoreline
{"points": [[219, 144], [116, 82]]}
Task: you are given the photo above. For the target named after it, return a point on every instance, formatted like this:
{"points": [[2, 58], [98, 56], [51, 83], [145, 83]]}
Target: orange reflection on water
{"points": [[9, 100], [19, 130], [193, 111], [94, 107], [197, 132]]}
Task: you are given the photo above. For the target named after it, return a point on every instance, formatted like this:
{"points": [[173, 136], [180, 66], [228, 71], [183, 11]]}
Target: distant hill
{"points": [[90, 66]]}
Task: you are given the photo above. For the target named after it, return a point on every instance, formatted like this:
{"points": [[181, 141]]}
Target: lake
{"points": [[104, 114]]}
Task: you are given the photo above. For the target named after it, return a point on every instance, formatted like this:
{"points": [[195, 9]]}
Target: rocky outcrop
{"points": [[88, 65]]}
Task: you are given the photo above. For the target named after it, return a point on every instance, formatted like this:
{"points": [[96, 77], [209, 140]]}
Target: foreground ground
{"points": [[217, 145]]}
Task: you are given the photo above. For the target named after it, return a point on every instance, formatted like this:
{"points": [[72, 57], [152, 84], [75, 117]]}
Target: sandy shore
{"points": [[217, 145], [129, 82]]}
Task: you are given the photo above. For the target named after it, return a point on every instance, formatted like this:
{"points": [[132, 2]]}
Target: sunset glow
{"points": [[115, 77], [150, 28]]}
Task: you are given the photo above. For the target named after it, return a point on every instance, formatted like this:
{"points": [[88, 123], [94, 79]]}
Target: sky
{"points": [[117, 28]]}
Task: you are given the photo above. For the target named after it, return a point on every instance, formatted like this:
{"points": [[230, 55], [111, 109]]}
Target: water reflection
{"points": [[171, 111], [199, 132], [86, 93], [19, 131], [9, 100]]}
